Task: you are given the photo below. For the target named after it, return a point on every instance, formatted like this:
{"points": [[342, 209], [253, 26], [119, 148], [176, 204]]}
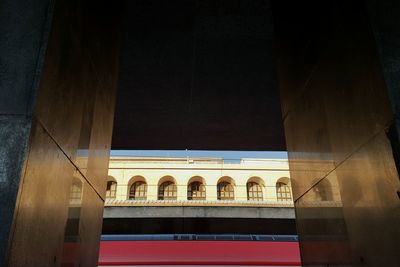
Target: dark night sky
{"points": [[198, 75]]}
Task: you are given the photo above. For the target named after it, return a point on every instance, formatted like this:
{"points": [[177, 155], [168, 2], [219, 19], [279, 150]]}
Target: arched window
{"points": [[283, 191], [196, 191], [111, 190], [225, 191], [75, 195], [138, 191], [254, 191], [323, 190], [167, 191]]}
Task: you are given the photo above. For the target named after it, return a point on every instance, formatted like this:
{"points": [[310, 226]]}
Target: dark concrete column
{"points": [[59, 74], [24, 26], [337, 111], [386, 24]]}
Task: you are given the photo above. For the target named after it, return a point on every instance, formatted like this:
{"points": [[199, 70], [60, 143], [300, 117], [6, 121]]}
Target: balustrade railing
{"points": [[247, 203]]}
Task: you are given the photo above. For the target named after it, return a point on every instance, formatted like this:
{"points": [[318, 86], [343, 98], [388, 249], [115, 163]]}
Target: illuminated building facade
{"points": [[199, 181]]}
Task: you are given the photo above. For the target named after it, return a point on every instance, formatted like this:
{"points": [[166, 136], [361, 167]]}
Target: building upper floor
{"points": [[198, 181]]}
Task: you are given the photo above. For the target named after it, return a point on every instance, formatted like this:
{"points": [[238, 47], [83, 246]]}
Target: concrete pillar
{"points": [[21, 57], [336, 116], [56, 114]]}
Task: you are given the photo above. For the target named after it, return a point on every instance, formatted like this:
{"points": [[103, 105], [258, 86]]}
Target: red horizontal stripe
{"points": [[254, 253], [197, 264]]}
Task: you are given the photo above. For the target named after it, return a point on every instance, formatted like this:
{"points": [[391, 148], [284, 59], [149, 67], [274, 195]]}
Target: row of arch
{"points": [[196, 189]]}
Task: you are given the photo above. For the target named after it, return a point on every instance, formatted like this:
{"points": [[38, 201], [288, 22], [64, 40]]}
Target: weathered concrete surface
{"points": [[198, 212], [24, 28], [14, 135]]}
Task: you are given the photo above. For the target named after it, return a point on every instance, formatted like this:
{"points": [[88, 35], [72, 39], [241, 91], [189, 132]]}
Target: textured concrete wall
{"points": [[70, 114], [24, 29], [336, 112]]}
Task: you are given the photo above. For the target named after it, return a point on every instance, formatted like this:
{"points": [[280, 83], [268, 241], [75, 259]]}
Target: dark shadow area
{"points": [[198, 75], [199, 226]]}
